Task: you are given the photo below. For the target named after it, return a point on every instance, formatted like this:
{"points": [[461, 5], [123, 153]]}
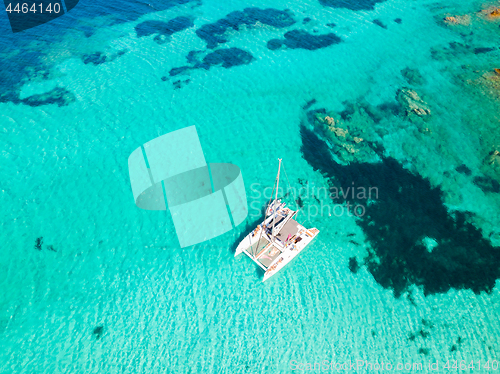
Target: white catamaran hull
{"points": [[278, 239], [289, 255]]}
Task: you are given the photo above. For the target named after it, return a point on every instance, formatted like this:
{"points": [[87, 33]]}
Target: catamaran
{"points": [[278, 239]]}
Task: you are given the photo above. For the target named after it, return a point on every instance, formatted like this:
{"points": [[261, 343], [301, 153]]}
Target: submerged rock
{"points": [[379, 23], [351, 4], [457, 20], [412, 76], [302, 39], [345, 132], [353, 265], [412, 103], [38, 243], [151, 27], [274, 44], [495, 13], [57, 95], [218, 32], [98, 331], [227, 58], [96, 58]]}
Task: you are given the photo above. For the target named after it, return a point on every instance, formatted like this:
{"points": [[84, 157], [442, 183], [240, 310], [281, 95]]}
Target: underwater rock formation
{"points": [[98, 58], [346, 134], [495, 13], [351, 4], [379, 23], [454, 50], [57, 95], [413, 76], [353, 265], [493, 161], [407, 210], [227, 58], [38, 243], [98, 331], [492, 12], [218, 32], [412, 103], [163, 29], [302, 39], [487, 184], [274, 44], [457, 20]]}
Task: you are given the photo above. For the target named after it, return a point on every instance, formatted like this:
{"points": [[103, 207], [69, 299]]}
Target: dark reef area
{"points": [[227, 58], [302, 39], [163, 30], [216, 33], [407, 211], [351, 4]]}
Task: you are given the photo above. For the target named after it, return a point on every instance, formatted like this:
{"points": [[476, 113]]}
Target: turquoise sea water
{"points": [[162, 308]]}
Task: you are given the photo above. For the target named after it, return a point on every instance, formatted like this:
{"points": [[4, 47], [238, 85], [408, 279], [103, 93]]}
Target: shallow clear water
{"points": [[64, 177]]}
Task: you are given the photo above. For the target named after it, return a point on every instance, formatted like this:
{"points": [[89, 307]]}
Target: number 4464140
{"points": [[464, 365], [25, 8]]}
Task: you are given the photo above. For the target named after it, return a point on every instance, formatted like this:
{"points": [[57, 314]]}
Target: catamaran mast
{"points": [[276, 198]]}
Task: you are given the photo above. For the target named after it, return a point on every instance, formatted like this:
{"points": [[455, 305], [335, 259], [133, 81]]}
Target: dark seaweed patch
{"points": [[379, 23], [424, 334], [38, 243], [274, 44], [398, 20], [351, 4], [424, 351], [309, 104], [407, 210], [161, 28], [353, 265], [483, 50], [96, 58], [226, 58], [464, 170], [58, 95], [216, 33], [306, 20], [179, 70], [487, 184], [412, 76], [180, 83], [302, 39], [427, 323], [193, 56], [98, 331], [331, 24]]}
